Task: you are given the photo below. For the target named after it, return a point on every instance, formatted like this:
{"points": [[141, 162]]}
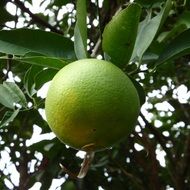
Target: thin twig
{"points": [[186, 158], [174, 167], [96, 48], [99, 19], [36, 18], [160, 139], [67, 171]]}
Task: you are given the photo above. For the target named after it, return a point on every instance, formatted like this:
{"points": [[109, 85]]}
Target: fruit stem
{"points": [[86, 164]]}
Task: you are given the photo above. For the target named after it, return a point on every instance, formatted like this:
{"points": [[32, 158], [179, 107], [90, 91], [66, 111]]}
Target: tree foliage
{"points": [[149, 40]]}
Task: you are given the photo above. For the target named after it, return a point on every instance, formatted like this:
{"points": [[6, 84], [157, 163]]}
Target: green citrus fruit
{"points": [[120, 34], [91, 104]]}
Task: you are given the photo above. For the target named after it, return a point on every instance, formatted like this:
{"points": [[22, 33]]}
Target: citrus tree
{"points": [[146, 42]]}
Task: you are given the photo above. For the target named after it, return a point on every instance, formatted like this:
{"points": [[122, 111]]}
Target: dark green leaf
{"points": [[8, 117], [140, 90], [184, 19], [174, 32], [16, 93], [80, 31], [178, 47], [148, 29], [6, 98], [120, 33], [149, 57], [50, 62], [29, 79], [44, 76], [11, 94], [22, 41]]}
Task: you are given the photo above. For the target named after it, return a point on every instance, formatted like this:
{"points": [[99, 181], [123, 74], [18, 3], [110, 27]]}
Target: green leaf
{"points": [[44, 76], [43, 61], [29, 78], [6, 98], [16, 93], [120, 33], [148, 29], [36, 77], [80, 31], [178, 47], [12, 93], [22, 41], [184, 18], [175, 31], [50, 62], [140, 91], [8, 117]]}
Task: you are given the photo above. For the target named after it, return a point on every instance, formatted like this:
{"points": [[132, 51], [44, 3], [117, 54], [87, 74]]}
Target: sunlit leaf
{"points": [[148, 29]]}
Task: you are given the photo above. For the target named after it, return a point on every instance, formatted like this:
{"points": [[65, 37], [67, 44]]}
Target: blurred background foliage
{"points": [[154, 157]]}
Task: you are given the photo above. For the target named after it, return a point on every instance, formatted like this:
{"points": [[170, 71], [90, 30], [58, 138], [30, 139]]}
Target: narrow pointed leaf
{"points": [[16, 93], [120, 33], [44, 76], [173, 33], [148, 29], [140, 91], [29, 78], [8, 117], [10, 94], [6, 98], [178, 47], [80, 31]]}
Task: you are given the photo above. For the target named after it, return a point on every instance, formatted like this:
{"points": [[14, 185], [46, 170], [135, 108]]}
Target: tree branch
{"points": [[160, 139], [37, 19], [185, 160], [153, 166], [174, 173]]}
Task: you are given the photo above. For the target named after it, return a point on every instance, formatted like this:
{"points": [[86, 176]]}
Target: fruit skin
{"points": [[91, 104], [120, 34]]}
